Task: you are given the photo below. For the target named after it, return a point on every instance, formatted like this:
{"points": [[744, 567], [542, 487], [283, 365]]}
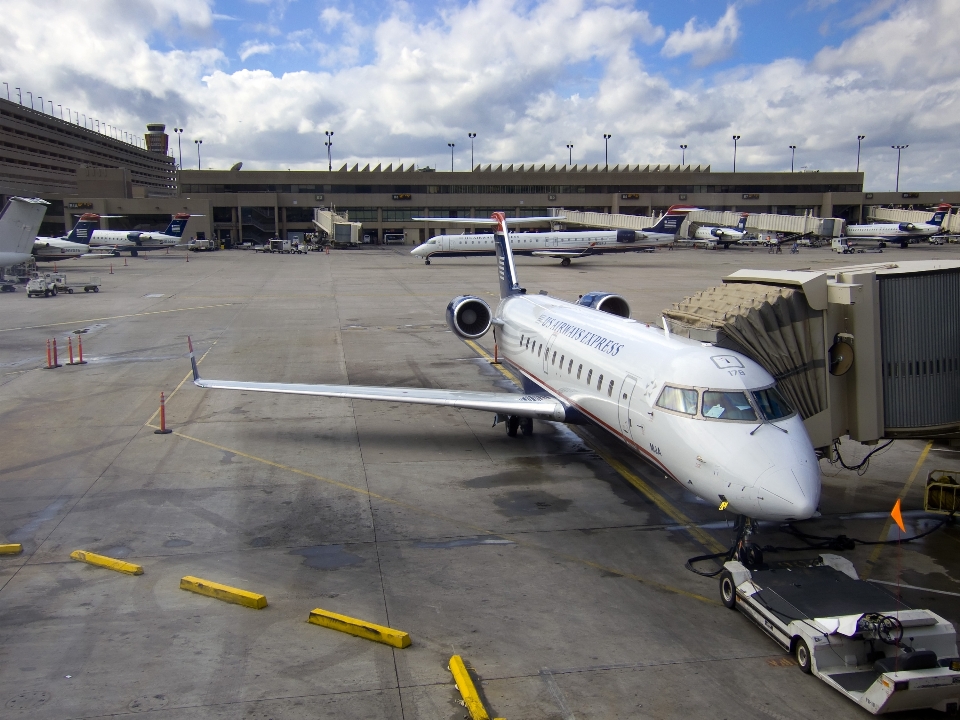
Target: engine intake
{"points": [[606, 302], [469, 317]]}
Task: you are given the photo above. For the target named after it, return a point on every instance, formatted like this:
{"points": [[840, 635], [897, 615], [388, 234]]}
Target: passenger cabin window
{"points": [[553, 360], [683, 400], [610, 389], [521, 341], [561, 362], [772, 404], [570, 366], [528, 342], [579, 370], [589, 375], [599, 382], [539, 349], [727, 405]]}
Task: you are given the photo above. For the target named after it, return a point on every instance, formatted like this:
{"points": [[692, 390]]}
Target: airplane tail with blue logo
{"points": [[940, 215], [505, 265], [177, 225], [83, 230], [671, 221], [742, 224]]}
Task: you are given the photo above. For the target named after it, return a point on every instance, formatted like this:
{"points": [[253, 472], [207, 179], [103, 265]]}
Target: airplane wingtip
{"points": [[193, 360]]}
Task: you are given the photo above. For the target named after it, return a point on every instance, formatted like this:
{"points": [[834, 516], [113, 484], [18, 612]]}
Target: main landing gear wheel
{"points": [[728, 591], [513, 422], [565, 262], [134, 253], [526, 427], [802, 653]]}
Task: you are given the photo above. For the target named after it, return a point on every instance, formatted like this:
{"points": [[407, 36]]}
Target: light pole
{"points": [[198, 144], [8, 90], [570, 149], [40, 98], [19, 96], [31, 99], [471, 136], [179, 132], [860, 139], [329, 144], [606, 161], [898, 148], [735, 138], [450, 145], [683, 154], [793, 150], [61, 111], [51, 106]]}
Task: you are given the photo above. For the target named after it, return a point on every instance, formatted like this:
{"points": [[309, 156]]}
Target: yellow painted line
{"points": [[877, 549], [468, 691], [499, 366], [360, 628], [703, 537], [107, 562], [114, 317], [480, 530], [11, 549], [223, 592]]}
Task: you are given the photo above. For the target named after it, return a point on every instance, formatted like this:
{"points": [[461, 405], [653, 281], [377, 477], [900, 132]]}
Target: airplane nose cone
{"points": [[789, 494], [418, 251]]}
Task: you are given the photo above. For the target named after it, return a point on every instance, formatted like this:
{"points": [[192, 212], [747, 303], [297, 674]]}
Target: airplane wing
{"points": [[542, 407], [561, 253]]}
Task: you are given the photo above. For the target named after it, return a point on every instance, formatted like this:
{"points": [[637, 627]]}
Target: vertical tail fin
{"points": [[83, 230], [742, 225], [939, 216], [177, 225], [505, 265], [669, 223], [20, 220]]}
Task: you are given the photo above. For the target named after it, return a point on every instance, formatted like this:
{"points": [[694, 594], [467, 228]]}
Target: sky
{"points": [[261, 81]]}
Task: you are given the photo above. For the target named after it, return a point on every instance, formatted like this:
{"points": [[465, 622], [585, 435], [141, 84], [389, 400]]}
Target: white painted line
{"points": [[915, 587]]}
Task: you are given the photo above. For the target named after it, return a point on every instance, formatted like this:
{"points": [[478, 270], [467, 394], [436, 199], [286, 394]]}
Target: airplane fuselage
{"points": [[597, 241], [613, 370], [892, 231], [132, 240]]}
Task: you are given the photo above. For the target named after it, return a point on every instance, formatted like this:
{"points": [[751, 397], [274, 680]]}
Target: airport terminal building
{"points": [[81, 170]]}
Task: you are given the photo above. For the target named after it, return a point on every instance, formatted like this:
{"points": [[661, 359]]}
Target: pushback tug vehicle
{"points": [[854, 635]]}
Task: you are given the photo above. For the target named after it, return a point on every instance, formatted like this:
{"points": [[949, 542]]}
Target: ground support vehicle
{"points": [[41, 286], [90, 285], [280, 246], [852, 634]]}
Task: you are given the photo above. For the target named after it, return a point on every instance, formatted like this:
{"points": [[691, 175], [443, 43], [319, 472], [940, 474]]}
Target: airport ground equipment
{"points": [[942, 493], [852, 634], [340, 232], [867, 351], [41, 286], [280, 246]]}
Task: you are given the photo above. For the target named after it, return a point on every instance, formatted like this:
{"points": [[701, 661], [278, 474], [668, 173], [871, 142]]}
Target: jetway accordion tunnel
{"points": [[869, 351]]}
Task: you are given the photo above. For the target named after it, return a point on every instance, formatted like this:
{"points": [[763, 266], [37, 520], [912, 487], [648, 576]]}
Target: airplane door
{"points": [[546, 354], [445, 243], [626, 393]]}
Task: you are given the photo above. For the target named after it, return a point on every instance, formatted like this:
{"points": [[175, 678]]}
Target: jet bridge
{"points": [[338, 228], [869, 351]]}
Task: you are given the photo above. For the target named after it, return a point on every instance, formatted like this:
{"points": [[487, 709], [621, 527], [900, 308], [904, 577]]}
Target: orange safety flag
{"points": [[897, 517]]}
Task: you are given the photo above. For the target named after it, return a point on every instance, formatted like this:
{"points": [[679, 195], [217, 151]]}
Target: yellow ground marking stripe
{"points": [[223, 592], [877, 549], [428, 513], [114, 317], [11, 549], [468, 691], [107, 562], [359, 628], [499, 366], [703, 537]]}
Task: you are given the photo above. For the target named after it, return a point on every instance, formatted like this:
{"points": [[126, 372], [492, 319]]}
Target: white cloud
{"points": [[705, 44], [512, 72], [253, 47]]}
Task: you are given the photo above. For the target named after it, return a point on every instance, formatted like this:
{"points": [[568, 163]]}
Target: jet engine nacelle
{"points": [[469, 317], [626, 236], [606, 302], [907, 227]]}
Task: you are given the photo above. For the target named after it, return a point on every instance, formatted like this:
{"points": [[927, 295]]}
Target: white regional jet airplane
{"points": [[136, 240], [564, 245], [722, 235], [19, 221], [709, 418], [903, 233], [73, 245]]}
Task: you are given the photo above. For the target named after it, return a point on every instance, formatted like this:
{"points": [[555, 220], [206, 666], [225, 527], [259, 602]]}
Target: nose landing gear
{"points": [[747, 552]]}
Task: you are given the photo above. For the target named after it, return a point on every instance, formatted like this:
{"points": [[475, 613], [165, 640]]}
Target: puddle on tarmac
{"points": [[327, 557], [525, 503], [462, 542], [120, 551], [177, 542], [25, 532], [260, 542]]}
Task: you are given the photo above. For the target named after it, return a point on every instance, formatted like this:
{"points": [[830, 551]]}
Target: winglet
{"points": [[193, 360]]}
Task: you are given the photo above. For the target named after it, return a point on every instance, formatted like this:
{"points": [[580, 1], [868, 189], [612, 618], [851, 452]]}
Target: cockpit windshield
{"points": [[683, 400], [772, 404], [727, 405]]}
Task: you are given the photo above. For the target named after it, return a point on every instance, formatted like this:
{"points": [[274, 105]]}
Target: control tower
{"points": [[156, 138]]}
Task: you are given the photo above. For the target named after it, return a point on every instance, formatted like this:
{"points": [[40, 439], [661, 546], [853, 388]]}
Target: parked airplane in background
{"points": [[724, 236], [710, 418], [563, 245], [20, 220], [72, 245], [135, 240], [903, 233]]}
